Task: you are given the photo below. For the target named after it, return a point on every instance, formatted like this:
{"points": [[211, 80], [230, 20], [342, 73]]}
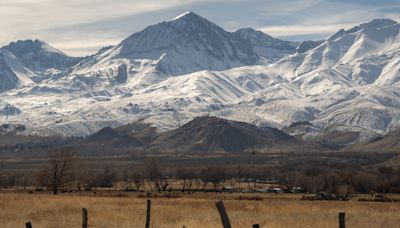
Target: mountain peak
{"points": [[248, 29], [30, 45], [378, 23], [263, 44], [25, 43], [374, 24], [190, 18], [191, 43], [187, 44], [38, 56], [185, 15], [188, 13], [29, 41], [250, 32]]}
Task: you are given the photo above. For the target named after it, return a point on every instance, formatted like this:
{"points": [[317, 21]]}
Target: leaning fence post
{"points": [[224, 216], [148, 214], [84, 218], [28, 225], [256, 226], [342, 220]]}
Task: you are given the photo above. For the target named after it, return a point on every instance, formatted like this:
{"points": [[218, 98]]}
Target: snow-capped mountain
{"points": [[176, 70], [31, 61], [41, 58], [348, 53], [350, 80], [186, 44]]}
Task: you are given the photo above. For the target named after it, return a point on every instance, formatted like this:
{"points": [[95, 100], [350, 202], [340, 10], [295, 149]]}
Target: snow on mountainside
{"points": [[364, 58], [12, 73], [308, 45], [31, 61], [173, 71], [266, 47], [346, 51], [41, 58], [186, 44]]}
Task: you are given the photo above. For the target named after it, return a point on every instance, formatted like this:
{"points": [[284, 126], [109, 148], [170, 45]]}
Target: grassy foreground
{"points": [[65, 211]]}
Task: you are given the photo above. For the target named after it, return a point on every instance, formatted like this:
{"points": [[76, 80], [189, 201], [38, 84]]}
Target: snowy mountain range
{"points": [[173, 71]]}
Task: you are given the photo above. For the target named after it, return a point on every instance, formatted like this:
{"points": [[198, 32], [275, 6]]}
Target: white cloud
{"points": [[76, 26], [49, 13], [28, 19], [288, 7], [395, 17], [295, 30], [82, 47]]}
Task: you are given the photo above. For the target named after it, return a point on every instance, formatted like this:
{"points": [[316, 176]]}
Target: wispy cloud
{"points": [[81, 27], [84, 46], [23, 19], [296, 30]]}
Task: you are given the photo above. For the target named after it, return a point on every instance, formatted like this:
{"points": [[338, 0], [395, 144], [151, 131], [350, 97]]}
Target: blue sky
{"points": [[81, 27]]}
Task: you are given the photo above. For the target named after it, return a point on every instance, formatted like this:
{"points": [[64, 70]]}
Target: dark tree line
{"points": [[64, 170]]}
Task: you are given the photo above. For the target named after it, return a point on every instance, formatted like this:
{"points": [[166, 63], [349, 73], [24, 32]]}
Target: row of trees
{"points": [[63, 169]]}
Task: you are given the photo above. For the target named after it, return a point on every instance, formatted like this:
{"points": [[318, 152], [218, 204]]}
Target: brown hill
{"points": [[206, 134], [336, 140], [143, 132], [132, 135], [111, 136], [386, 143]]}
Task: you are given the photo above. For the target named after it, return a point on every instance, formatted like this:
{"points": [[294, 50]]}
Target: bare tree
{"points": [[240, 176], [137, 180], [214, 175], [58, 170], [162, 183], [106, 177], [153, 173], [186, 176], [197, 183]]}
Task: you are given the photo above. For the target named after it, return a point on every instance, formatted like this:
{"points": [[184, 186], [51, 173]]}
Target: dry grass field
{"points": [[65, 211]]}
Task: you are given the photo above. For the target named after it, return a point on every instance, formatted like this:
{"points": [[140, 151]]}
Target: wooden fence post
{"points": [[28, 225], [84, 218], [342, 220], [224, 216], [148, 214], [256, 226]]}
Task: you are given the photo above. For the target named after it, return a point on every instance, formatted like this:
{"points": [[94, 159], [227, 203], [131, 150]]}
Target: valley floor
{"points": [[273, 211]]}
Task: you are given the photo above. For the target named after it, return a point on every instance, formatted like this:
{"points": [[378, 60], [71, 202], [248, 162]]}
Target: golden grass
{"points": [[65, 211]]}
